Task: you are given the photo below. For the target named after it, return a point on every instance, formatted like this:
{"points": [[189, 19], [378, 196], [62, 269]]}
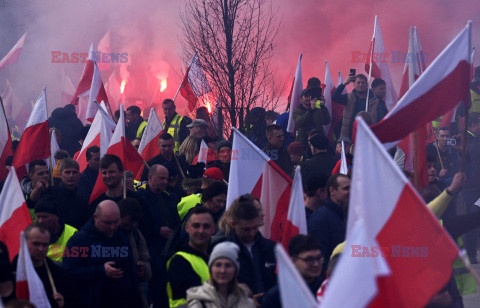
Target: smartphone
{"points": [[353, 72]]}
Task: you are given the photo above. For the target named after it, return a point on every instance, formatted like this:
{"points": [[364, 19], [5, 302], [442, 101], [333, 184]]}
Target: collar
{"points": [[337, 209]]}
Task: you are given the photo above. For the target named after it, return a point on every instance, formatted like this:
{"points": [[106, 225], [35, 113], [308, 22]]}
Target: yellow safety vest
{"points": [[186, 203], [140, 130], [174, 130], [475, 98], [200, 268], [56, 250], [465, 281]]}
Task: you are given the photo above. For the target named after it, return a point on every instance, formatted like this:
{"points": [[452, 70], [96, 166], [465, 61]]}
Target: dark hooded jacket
{"points": [[70, 126]]}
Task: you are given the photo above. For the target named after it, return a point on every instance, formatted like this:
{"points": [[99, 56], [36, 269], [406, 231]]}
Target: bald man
{"points": [[100, 263], [165, 215]]}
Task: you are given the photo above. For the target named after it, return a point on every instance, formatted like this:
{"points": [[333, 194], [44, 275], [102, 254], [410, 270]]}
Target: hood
{"points": [[63, 114], [205, 292]]}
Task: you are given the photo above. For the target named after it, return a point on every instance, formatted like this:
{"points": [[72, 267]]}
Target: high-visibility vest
{"points": [[174, 130], [475, 98], [465, 281], [140, 130], [56, 250], [200, 268]]}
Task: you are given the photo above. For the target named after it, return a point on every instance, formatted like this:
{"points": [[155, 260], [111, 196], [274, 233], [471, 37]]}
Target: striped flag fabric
{"points": [[12, 56], [296, 94], [148, 148], [195, 83]]}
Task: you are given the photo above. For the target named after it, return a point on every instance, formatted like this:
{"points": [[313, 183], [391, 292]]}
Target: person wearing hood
{"points": [[222, 290], [66, 121]]}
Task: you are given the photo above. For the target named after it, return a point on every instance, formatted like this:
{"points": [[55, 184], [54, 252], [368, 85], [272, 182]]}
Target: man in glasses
{"points": [[304, 250]]}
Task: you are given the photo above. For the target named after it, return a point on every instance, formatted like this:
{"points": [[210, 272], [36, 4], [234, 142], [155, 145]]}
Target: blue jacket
{"points": [[257, 271], [328, 226], [85, 255]]}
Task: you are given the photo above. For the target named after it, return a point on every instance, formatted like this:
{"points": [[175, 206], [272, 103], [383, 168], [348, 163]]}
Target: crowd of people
{"points": [[169, 239]]}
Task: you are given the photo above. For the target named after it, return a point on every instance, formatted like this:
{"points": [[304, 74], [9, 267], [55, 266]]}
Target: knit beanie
{"points": [[47, 205], [227, 250], [224, 143]]}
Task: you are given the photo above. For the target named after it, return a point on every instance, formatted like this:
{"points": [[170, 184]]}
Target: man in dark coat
{"points": [[90, 174], [328, 223], [321, 160], [100, 262], [275, 149], [65, 120]]}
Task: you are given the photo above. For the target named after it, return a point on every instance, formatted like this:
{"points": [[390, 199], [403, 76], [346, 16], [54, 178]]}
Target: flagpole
{"points": [[5, 115], [415, 159], [50, 278], [468, 265], [436, 147], [124, 184], [178, 90], [371, 64], [464, 141]]}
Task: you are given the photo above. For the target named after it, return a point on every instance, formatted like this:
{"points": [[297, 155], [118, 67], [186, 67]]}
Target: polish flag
{"points": [[414, 67], [14, 53], [296, 94], [68, 90], [195, 83], [29, 286], [14, 215], [343, 161], [15, 108], [99, 134], [296, 218], [54, 147], [95, 90], [35, 141], [86, 82], [379, 69], [205, 155], [443, 84], [327, 93], [104, 47], [253, 172], [148, 148], [5, 144], [337, 109], [395, 246], [120, 146], [294, 292]]}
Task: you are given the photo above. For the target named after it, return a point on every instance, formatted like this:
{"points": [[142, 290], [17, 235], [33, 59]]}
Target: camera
{"points": [[451, 142]]}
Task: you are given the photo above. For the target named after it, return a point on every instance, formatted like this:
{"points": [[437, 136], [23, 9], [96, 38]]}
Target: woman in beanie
{"points": [[223, 290]]}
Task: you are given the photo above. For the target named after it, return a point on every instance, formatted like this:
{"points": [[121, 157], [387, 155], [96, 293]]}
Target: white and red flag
{"points": [[205, 155], [343, 161], [296, 218], [14, 215], [29, 286], [253, 172], [14, 53], [67, 91], [296, 94], [95, 90], [395, 245], [377, 56], [104, 48], [99, 134], [148, 147], [327, 93], [5, 144], [294, 292], [414, 66], [35, 141], [120, 146], [83, 88], [195, 83], [443, 84]]}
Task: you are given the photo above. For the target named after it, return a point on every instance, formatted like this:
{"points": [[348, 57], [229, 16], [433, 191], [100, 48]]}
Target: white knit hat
{"points": [[227, 250]]}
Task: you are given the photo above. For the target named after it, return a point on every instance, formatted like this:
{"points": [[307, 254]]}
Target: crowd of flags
{"points": [[376, 218]]}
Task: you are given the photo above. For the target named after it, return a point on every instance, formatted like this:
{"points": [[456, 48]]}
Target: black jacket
{"points": [[72, 209], [281, 157], [87, 183], [328, 225], [70, 126], [172, 166], [164, 213], [323, 162], [257, 271], [86, 253]]}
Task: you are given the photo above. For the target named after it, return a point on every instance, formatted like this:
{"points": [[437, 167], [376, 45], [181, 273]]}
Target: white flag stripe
{"points": [[39, 112], [152, 129]]}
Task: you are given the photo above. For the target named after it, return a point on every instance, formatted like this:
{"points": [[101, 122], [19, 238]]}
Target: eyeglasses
{"points": [[311, 260]]}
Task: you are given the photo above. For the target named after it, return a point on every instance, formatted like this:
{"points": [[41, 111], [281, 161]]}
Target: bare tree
{"points": [[235, 40]]}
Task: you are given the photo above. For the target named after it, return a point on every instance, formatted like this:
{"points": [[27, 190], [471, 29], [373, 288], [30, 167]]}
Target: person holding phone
{"points": [[354, 101]]}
